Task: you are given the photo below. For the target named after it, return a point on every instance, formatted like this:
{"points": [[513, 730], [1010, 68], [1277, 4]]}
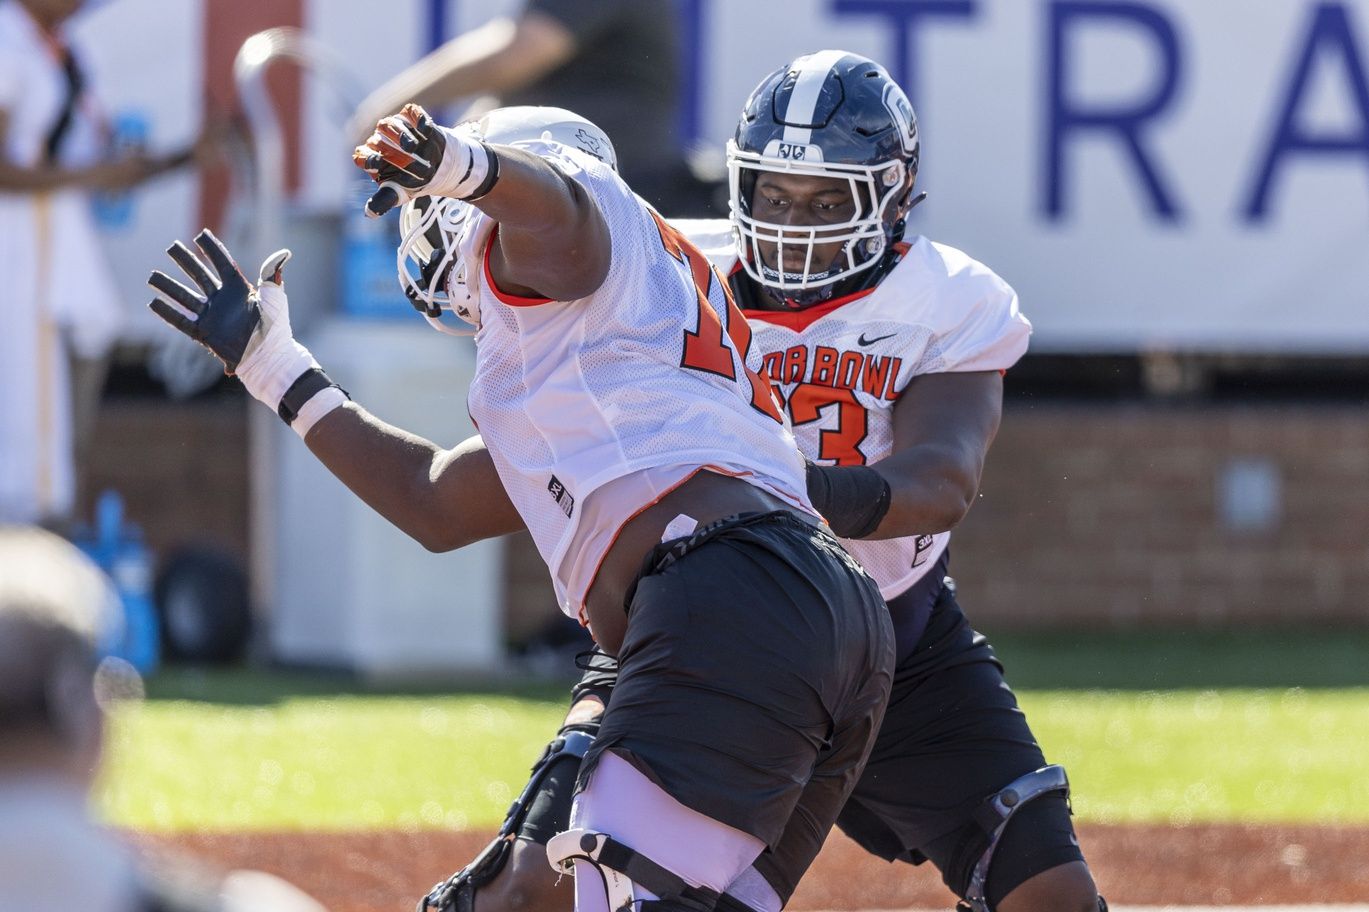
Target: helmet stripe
{"points": [[813, 71]]}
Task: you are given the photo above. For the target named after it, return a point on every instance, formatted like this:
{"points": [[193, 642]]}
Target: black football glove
{"points": [[226, 310], [246, 327], [402, 155]]}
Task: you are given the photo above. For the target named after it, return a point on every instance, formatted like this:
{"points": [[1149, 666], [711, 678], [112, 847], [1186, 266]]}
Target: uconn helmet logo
{"points": [[901, 112], [793, 151]]}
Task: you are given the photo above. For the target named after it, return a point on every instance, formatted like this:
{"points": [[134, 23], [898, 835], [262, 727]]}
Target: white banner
{"points": [[1147, 173]]}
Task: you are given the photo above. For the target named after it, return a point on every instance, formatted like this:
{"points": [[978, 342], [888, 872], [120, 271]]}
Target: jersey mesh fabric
{"points": [[938, 310], [570, 395]]}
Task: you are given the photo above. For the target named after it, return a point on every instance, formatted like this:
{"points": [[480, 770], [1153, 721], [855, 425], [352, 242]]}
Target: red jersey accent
{"points": [[799, 320], [503, 296]]}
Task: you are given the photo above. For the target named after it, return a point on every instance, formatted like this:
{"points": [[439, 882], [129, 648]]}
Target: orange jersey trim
{"points": [[504, 297]]}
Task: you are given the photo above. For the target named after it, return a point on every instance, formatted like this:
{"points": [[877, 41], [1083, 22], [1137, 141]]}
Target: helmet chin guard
{"points": [[430, 266]]}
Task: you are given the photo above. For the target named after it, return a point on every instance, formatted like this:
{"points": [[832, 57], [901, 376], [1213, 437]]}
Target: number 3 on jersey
{"points": [[840, 445], [705, 350]]}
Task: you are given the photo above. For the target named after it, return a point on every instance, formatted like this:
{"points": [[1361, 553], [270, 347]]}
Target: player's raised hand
{"points": [[223, 314], [409, 155], [247, 327], [402, 155]]}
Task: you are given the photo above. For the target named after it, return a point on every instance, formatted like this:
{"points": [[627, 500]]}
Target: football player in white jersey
{"points": [[629, 432], [887, 353]]}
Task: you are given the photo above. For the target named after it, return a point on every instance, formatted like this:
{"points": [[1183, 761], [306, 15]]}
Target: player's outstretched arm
{"points": [[442, 498], [553, 241], [943, 427]]}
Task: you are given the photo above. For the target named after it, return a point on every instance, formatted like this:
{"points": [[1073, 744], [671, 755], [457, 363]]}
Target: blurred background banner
{"points": [[1149, 175]]}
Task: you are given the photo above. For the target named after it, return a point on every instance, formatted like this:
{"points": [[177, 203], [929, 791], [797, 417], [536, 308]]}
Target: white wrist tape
{"points": [[268, 374], [464, 167], [320, 404]]}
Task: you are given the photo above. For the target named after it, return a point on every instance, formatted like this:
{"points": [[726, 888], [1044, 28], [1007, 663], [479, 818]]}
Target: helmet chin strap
{"points": [[901, 225], [795, 299]]}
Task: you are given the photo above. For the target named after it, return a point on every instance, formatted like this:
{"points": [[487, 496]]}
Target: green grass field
{"points": [[238, 751]]}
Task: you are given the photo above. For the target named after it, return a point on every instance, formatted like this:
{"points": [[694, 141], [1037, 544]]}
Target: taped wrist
{"points": [[309, 398], [468, 175], [853, 499]]}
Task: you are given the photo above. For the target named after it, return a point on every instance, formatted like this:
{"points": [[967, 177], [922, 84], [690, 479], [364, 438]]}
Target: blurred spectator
{"points": [[54, 604], [58, 305], [614, 62]]}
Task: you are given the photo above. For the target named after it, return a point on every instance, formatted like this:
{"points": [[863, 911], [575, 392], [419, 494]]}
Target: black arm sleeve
{"points": [[853, 499]]}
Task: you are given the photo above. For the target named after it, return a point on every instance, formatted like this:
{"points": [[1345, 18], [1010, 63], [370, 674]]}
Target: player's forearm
{"points": [[552, 242], [400, 476], [931, 490], [500, 56], [944, 425], [478, 62], [383, 465], [919, 491]]}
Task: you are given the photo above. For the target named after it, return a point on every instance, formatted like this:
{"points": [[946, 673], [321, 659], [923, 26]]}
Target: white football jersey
{"points": [[840, 366], [650, 371]]}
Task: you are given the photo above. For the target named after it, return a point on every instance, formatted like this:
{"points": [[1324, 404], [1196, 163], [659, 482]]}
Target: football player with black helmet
{"points": [[887, 352]]}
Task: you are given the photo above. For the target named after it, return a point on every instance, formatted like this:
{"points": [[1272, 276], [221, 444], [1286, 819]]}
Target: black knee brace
{"points": [[993, 816], [457, 893]]}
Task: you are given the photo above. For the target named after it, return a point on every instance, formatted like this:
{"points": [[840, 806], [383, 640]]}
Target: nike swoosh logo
{"points": [[864, 342]]}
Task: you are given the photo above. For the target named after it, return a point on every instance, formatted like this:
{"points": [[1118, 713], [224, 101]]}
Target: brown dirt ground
{"points": [[1141, 865]]}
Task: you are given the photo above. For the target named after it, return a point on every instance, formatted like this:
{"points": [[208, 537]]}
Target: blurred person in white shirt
{"points": [[58, 300]]}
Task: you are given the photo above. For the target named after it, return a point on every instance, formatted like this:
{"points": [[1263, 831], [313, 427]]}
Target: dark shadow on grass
{"points": [[246, 686], [1091, 660]]}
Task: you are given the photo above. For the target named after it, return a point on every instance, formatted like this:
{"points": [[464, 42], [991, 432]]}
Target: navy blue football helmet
{"points": [[831, 114]]}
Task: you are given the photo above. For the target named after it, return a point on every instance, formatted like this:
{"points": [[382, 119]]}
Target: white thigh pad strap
{"points": [[564, 849]]}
